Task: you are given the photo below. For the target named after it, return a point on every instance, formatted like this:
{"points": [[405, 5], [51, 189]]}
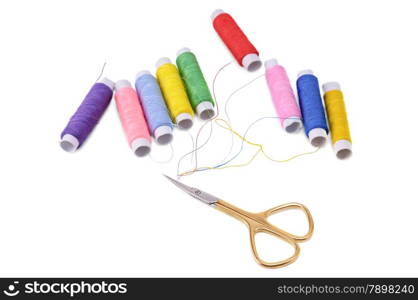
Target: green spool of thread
{"points": [[196, 86]]}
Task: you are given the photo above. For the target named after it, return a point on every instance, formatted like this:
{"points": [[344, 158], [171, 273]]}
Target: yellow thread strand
{"points": [[290, 158], [260, 147], [198, 147], [173, 90], [190, 172], [337, 116], [228, 127]]}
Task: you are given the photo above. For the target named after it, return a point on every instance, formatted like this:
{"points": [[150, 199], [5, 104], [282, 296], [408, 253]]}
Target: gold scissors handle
{"points": [[257, 223]]}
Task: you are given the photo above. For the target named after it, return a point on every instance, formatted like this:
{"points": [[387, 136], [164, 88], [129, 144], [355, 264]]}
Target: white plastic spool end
{"points": [[141, 147], [216, 13], [205, 110], [69, 143], [317, 137], [270, 63], [142, 73], [251, 62], [122, 84], [163, 135], [107, 82], [184, 121], [331, 86], [342, 149], [292, 124], [305, 72], [162, 61], [183, 50]]}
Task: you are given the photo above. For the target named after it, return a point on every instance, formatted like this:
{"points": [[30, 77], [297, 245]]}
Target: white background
{"points": [[104, 212]]}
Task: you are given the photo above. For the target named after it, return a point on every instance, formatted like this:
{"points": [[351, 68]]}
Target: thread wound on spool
{"points": [[313, 112], [337, 118], [283, 98], [196, 85], [173, 90], [153, 104], [86, 117], [132, 118], [236, 41]]}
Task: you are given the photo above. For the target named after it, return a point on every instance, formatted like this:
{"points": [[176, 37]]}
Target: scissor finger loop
{"points": [[288, 206], [256, 222], [259, 224], [277, 264]]}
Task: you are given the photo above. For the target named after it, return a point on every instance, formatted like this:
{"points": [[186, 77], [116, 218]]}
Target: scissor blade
{"points": [[194, 192]]}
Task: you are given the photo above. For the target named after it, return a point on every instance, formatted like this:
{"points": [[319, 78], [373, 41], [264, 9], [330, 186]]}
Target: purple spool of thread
{"points": [[87, 115]]}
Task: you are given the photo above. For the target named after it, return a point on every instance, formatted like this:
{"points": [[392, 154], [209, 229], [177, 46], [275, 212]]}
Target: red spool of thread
{"points": [[236, 41]]}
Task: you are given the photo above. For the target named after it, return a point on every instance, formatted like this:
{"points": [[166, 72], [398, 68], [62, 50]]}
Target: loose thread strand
{"points": [[102, 71], [196, 145], [227, 126]]}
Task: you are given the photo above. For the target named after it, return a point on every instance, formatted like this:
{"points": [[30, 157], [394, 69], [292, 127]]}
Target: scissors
{"points": [[256, 222]]}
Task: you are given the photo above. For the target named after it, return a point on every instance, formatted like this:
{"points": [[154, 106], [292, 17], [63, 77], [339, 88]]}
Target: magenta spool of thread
{"points": [[283, 97], [87, 115]]}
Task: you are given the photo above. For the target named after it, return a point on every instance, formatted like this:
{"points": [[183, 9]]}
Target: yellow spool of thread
{"points": [[337, 119], [174, 93]]}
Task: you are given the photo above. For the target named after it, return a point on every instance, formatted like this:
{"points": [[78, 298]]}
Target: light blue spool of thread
{"points": [[154, 107], [312, 108]]}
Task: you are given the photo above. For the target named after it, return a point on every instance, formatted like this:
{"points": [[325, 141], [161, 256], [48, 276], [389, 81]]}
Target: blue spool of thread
{"points": [[87, 115], [155, 110], [312, 108]]}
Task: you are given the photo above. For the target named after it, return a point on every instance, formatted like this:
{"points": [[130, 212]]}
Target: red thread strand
{"points": [[233, 37]]}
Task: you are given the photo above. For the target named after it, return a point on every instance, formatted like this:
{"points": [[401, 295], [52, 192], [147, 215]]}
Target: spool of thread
{"points": [[87, 115], [337, 118], [196, 86], [175, 94], [237, 42], [132, 118], [154, 107], [283, 97], [313, 113]]}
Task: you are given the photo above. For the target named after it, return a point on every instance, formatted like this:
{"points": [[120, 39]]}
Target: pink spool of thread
{"points": [[132, 118], [284, 99]]}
